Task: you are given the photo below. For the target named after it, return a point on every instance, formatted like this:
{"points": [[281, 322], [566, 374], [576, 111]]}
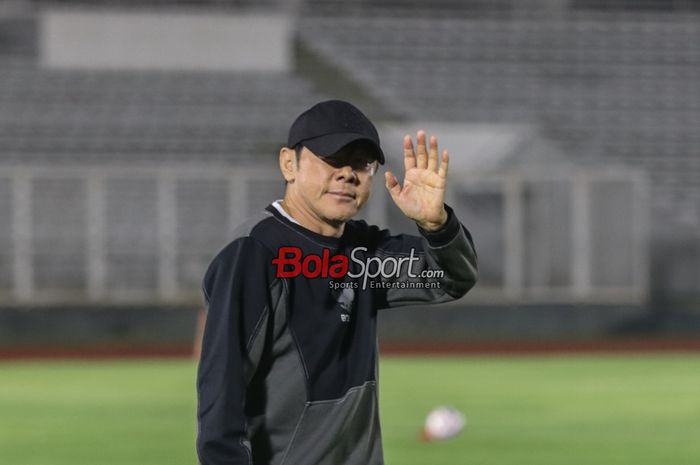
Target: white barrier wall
{"points": [[165, 41], [546, 230], [146, 233]]}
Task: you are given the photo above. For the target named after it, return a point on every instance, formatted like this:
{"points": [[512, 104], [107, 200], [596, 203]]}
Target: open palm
{"points": [[422, 196]]}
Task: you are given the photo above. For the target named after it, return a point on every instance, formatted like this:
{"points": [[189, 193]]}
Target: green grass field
{"points": [[602, 410]]}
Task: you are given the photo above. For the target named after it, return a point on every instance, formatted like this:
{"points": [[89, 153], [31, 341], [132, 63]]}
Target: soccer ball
{"points": [[443, 423]]}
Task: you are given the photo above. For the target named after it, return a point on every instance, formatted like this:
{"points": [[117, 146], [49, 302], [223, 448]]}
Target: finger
{"points": [[433, 155], [391, 183], [409, 158], [421, 154], [442, 172]]}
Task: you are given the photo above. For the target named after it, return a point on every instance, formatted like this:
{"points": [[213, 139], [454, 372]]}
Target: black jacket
{"points": [[288, 372]]}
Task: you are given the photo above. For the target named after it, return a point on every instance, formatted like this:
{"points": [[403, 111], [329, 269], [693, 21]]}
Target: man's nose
{"points": [[348, 173]]}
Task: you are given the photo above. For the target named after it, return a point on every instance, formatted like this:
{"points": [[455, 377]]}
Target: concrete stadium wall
{"points": [[94, 327], [125, 331], [124, 40]]}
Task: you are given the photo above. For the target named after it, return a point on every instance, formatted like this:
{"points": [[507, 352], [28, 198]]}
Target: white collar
{"points": [[279, 208]]}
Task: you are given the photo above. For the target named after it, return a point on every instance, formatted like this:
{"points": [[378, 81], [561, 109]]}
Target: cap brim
{"points": [[329, 144]]}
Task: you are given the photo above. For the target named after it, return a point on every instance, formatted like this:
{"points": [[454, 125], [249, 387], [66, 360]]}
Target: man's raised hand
{"points": [[422, 196]]}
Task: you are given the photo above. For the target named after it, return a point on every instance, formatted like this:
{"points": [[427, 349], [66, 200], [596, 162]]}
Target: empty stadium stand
{"points": [[610, 87], [90, 116]]}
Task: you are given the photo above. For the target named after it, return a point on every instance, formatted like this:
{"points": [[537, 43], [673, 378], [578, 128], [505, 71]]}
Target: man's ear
{"points": [[288, 163]]}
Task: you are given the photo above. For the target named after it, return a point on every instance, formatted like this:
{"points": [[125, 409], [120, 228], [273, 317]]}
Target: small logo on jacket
{"points": [[345, 300]]}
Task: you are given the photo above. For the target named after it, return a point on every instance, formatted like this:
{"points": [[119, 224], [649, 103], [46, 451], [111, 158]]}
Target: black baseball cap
{"points": [[329, 126]]}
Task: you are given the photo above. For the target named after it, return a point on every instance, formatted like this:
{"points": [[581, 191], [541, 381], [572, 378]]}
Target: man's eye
{"points": [[358, 164]]}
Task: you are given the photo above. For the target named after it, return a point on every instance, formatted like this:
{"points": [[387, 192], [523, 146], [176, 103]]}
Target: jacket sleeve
{"points": [[236, 294], [447, 256]]}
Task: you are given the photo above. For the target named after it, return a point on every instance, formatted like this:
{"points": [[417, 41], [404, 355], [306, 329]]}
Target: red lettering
{"points": [[317, 263], [326, 256], [290, 264], [282, 261], [339, 268]]}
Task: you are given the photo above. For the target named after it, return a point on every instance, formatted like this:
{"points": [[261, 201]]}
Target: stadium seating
{"points": [[620, 87], [65, 122], [88, 116], [607, 87]]}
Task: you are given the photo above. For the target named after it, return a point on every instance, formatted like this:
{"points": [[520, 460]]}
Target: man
{"points": [[288, 369]]}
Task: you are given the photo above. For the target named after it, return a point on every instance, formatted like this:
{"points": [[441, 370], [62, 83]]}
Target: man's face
{"points": [[334, 189]]}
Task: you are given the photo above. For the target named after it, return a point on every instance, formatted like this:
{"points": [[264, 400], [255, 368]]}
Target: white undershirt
{"points": [[279, 208]]}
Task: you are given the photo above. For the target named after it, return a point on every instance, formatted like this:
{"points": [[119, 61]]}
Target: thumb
{"points": [[392, 184]]}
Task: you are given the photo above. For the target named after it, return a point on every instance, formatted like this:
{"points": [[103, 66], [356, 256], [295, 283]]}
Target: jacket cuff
{"points": [[444, 235]]}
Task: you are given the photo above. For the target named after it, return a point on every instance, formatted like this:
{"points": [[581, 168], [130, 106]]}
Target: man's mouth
{"points": [[342, 194]]}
